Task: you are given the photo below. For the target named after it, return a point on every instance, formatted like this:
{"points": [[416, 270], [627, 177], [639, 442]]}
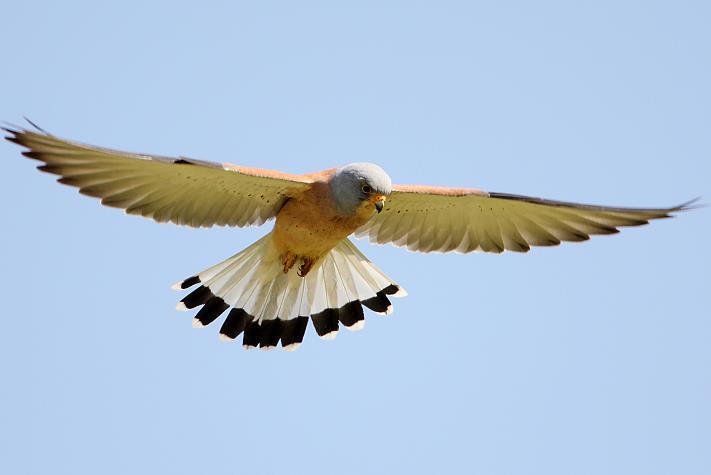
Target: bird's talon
{"points": [[288, 261], [305, 267]]}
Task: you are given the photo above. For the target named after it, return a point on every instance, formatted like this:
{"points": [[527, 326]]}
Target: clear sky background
{"points": [[582, 359]]}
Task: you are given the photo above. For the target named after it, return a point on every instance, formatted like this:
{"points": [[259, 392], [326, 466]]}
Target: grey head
{"points": [[355, 183]]}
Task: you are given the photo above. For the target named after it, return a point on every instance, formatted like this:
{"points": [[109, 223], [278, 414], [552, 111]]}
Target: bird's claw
{"points": [[288, 260], [305, 267]]}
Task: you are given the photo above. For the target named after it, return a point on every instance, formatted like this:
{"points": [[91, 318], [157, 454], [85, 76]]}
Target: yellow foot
{"points": [[288, 260], [306, 264]]}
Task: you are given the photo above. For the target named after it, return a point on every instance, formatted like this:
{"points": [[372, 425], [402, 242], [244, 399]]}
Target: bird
{"points": [[306, 267]]}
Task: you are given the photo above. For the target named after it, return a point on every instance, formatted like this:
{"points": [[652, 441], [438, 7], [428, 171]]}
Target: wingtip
{"points": [[9, 128], [15, 131], [689, 205], [11, 134], [40, 129]]}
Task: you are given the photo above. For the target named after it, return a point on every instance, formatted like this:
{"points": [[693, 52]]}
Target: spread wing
{"points": [[429, 219], [180, 190]]}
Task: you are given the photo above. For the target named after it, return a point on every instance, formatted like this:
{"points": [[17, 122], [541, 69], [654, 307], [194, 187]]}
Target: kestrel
{"points": [[306, 266]]}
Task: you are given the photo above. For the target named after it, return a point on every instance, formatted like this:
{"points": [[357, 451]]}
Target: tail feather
{"points": [[234, 324], [293, 332], [269, 306]]}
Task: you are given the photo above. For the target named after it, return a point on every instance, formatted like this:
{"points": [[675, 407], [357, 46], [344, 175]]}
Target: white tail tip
{"points": [[330, 336], [177, 286], [400, 292], [387, 311], [180, 307], [357, 326], [292, 347], [197, 323], [225, 338]]}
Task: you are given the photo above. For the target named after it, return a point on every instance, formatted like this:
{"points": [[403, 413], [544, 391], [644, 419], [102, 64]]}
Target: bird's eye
{"points": [[366, 188]]}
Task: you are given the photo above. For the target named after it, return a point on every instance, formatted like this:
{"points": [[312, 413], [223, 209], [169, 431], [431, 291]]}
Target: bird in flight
{"points": [[306, 266]]}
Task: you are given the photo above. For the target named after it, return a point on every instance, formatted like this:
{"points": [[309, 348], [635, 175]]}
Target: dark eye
{"points": [[366, 189]]}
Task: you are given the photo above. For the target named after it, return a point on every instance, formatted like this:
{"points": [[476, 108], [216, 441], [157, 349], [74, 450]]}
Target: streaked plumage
{"points": [[306, 267]]}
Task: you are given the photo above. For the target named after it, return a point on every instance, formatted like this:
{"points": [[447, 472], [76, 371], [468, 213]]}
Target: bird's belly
{"points": [[305, 237], [310, 231]]}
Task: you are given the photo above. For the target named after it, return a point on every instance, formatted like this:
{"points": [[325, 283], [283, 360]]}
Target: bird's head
{"points": [[358, 184]]}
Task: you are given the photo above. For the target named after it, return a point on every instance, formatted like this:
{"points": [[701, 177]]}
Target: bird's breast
{"points": [[310, 225]]}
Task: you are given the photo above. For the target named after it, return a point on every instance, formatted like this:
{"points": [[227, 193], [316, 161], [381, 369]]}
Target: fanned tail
{"points": [[269, 306]]}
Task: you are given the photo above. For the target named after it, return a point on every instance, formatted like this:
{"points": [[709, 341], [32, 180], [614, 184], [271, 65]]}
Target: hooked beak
{"points": [[379, 203]]}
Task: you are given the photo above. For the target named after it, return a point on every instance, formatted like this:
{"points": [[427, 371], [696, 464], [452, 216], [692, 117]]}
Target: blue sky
{"points": [[587, 358]]}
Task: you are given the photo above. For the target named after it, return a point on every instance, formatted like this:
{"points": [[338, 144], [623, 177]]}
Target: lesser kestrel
{"points": [[306, 266]]}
